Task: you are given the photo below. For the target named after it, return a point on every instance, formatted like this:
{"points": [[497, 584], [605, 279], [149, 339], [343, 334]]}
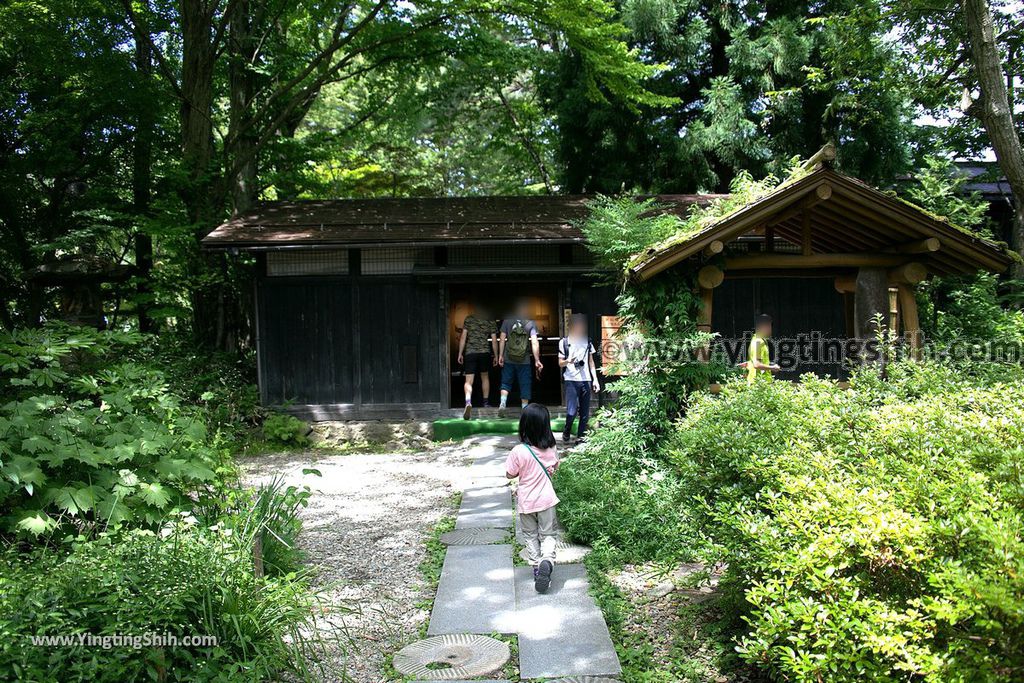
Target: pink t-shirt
{"points": [[535, 491]]}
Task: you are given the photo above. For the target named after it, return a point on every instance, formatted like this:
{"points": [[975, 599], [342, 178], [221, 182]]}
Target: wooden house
{"points": [[359, 302]]}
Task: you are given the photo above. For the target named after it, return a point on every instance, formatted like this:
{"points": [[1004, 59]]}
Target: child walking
{"points": [[534, 461]]}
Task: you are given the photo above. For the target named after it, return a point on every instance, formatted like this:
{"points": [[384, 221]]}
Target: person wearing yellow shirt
{"points": [[759, 362]]}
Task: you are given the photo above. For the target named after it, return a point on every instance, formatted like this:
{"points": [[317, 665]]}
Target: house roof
{"points": [[420, 221], [843, 216]]}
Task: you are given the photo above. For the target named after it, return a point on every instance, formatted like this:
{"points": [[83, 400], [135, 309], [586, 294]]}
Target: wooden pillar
{"points": [[704, 319], [911, 322], [871, 298]]}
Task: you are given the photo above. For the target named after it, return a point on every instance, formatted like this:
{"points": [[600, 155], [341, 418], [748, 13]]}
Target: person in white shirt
{"points": [[576, 358]]}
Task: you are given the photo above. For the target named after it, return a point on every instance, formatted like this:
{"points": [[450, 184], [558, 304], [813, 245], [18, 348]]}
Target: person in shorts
{"points": [[478, 352], [518, 344]]}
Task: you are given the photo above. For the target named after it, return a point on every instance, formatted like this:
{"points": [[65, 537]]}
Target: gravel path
{"points": [[365, 531]]}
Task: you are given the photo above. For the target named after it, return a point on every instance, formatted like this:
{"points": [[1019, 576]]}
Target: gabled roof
{"points": [[414, 221], [845, 216]]}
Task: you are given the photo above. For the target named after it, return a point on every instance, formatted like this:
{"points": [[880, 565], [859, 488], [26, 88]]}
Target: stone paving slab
{"points": [[489, 507], [473, 681], [476, 593], [561, 632]]}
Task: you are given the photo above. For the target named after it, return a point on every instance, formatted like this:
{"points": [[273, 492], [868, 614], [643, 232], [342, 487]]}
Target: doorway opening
{"points": [[499, 300]]}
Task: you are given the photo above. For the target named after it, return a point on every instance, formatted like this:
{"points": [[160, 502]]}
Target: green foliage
{"points": [[186, 582], [968, 307], [754, 86], [285, 430], [222, 385], [266, 516], [875, 533], [618, 492], [617, 229], [90, 438]]}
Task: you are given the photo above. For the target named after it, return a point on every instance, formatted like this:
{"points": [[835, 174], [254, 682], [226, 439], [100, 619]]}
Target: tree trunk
{"points": [[241, 81], [142, 187], [197, 62], [994, 111]]}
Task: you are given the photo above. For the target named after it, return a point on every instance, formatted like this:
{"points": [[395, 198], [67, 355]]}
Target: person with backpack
{"points": [[517, 342], [478, 351], [576, 358], [534, 462]]}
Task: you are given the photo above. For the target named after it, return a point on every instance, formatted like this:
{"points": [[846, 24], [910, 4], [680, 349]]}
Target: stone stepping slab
{"points": [[564, 552], [485, 508], [476, 593], [561, 632], [475, 536]]}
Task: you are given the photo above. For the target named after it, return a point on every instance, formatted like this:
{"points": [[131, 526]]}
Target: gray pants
{"points": [[540, 530]]}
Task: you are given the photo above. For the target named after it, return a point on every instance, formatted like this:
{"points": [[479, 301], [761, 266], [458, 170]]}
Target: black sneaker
{"points": [[542, 577], [566, 437]]}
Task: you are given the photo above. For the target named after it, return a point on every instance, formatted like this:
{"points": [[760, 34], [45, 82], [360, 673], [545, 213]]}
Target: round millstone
{"points": [[564, 552], [452, 657], [474, 536]]}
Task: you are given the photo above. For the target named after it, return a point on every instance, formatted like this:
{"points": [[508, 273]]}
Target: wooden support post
{"points": [[769, 238], [710, 277], [704, 319], [911, 322], [805, 235], [870, 300]]}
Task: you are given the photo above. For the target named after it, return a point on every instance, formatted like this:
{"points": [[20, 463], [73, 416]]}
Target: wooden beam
{"points": [[710, 277], [755, 261], [911, 322], [821, 193], [826, 153], [714, 249], [908, 274], [925, 246], [769, 238]]}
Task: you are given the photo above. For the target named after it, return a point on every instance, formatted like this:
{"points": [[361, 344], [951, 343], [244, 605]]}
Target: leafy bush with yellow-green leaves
{"points": [[875, 533], [90, 436]]}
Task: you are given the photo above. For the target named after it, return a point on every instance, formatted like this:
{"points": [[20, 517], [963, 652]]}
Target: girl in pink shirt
{"points": [[534, 461]]}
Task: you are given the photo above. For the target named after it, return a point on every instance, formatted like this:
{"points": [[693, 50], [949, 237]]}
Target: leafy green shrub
{"points": [[88, 438], [285, 430], [875, 533], [190, 582], [222, 385], [618, 492], [269, 512]]}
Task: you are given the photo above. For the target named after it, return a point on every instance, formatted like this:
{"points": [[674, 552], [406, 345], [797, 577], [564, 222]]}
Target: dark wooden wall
{"points": [[349, 341], [797, 306]]}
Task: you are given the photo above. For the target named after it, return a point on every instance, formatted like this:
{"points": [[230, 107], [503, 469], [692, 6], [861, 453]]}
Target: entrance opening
{"points": [[499, 300], [808, 321]]}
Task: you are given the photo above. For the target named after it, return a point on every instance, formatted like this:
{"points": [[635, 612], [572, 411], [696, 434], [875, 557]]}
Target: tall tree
{"points": [[965, 55], [755, 83], [995, 109]]}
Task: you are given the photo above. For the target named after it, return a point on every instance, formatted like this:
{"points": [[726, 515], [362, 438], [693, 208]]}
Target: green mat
{"points": [[457, 428]]}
